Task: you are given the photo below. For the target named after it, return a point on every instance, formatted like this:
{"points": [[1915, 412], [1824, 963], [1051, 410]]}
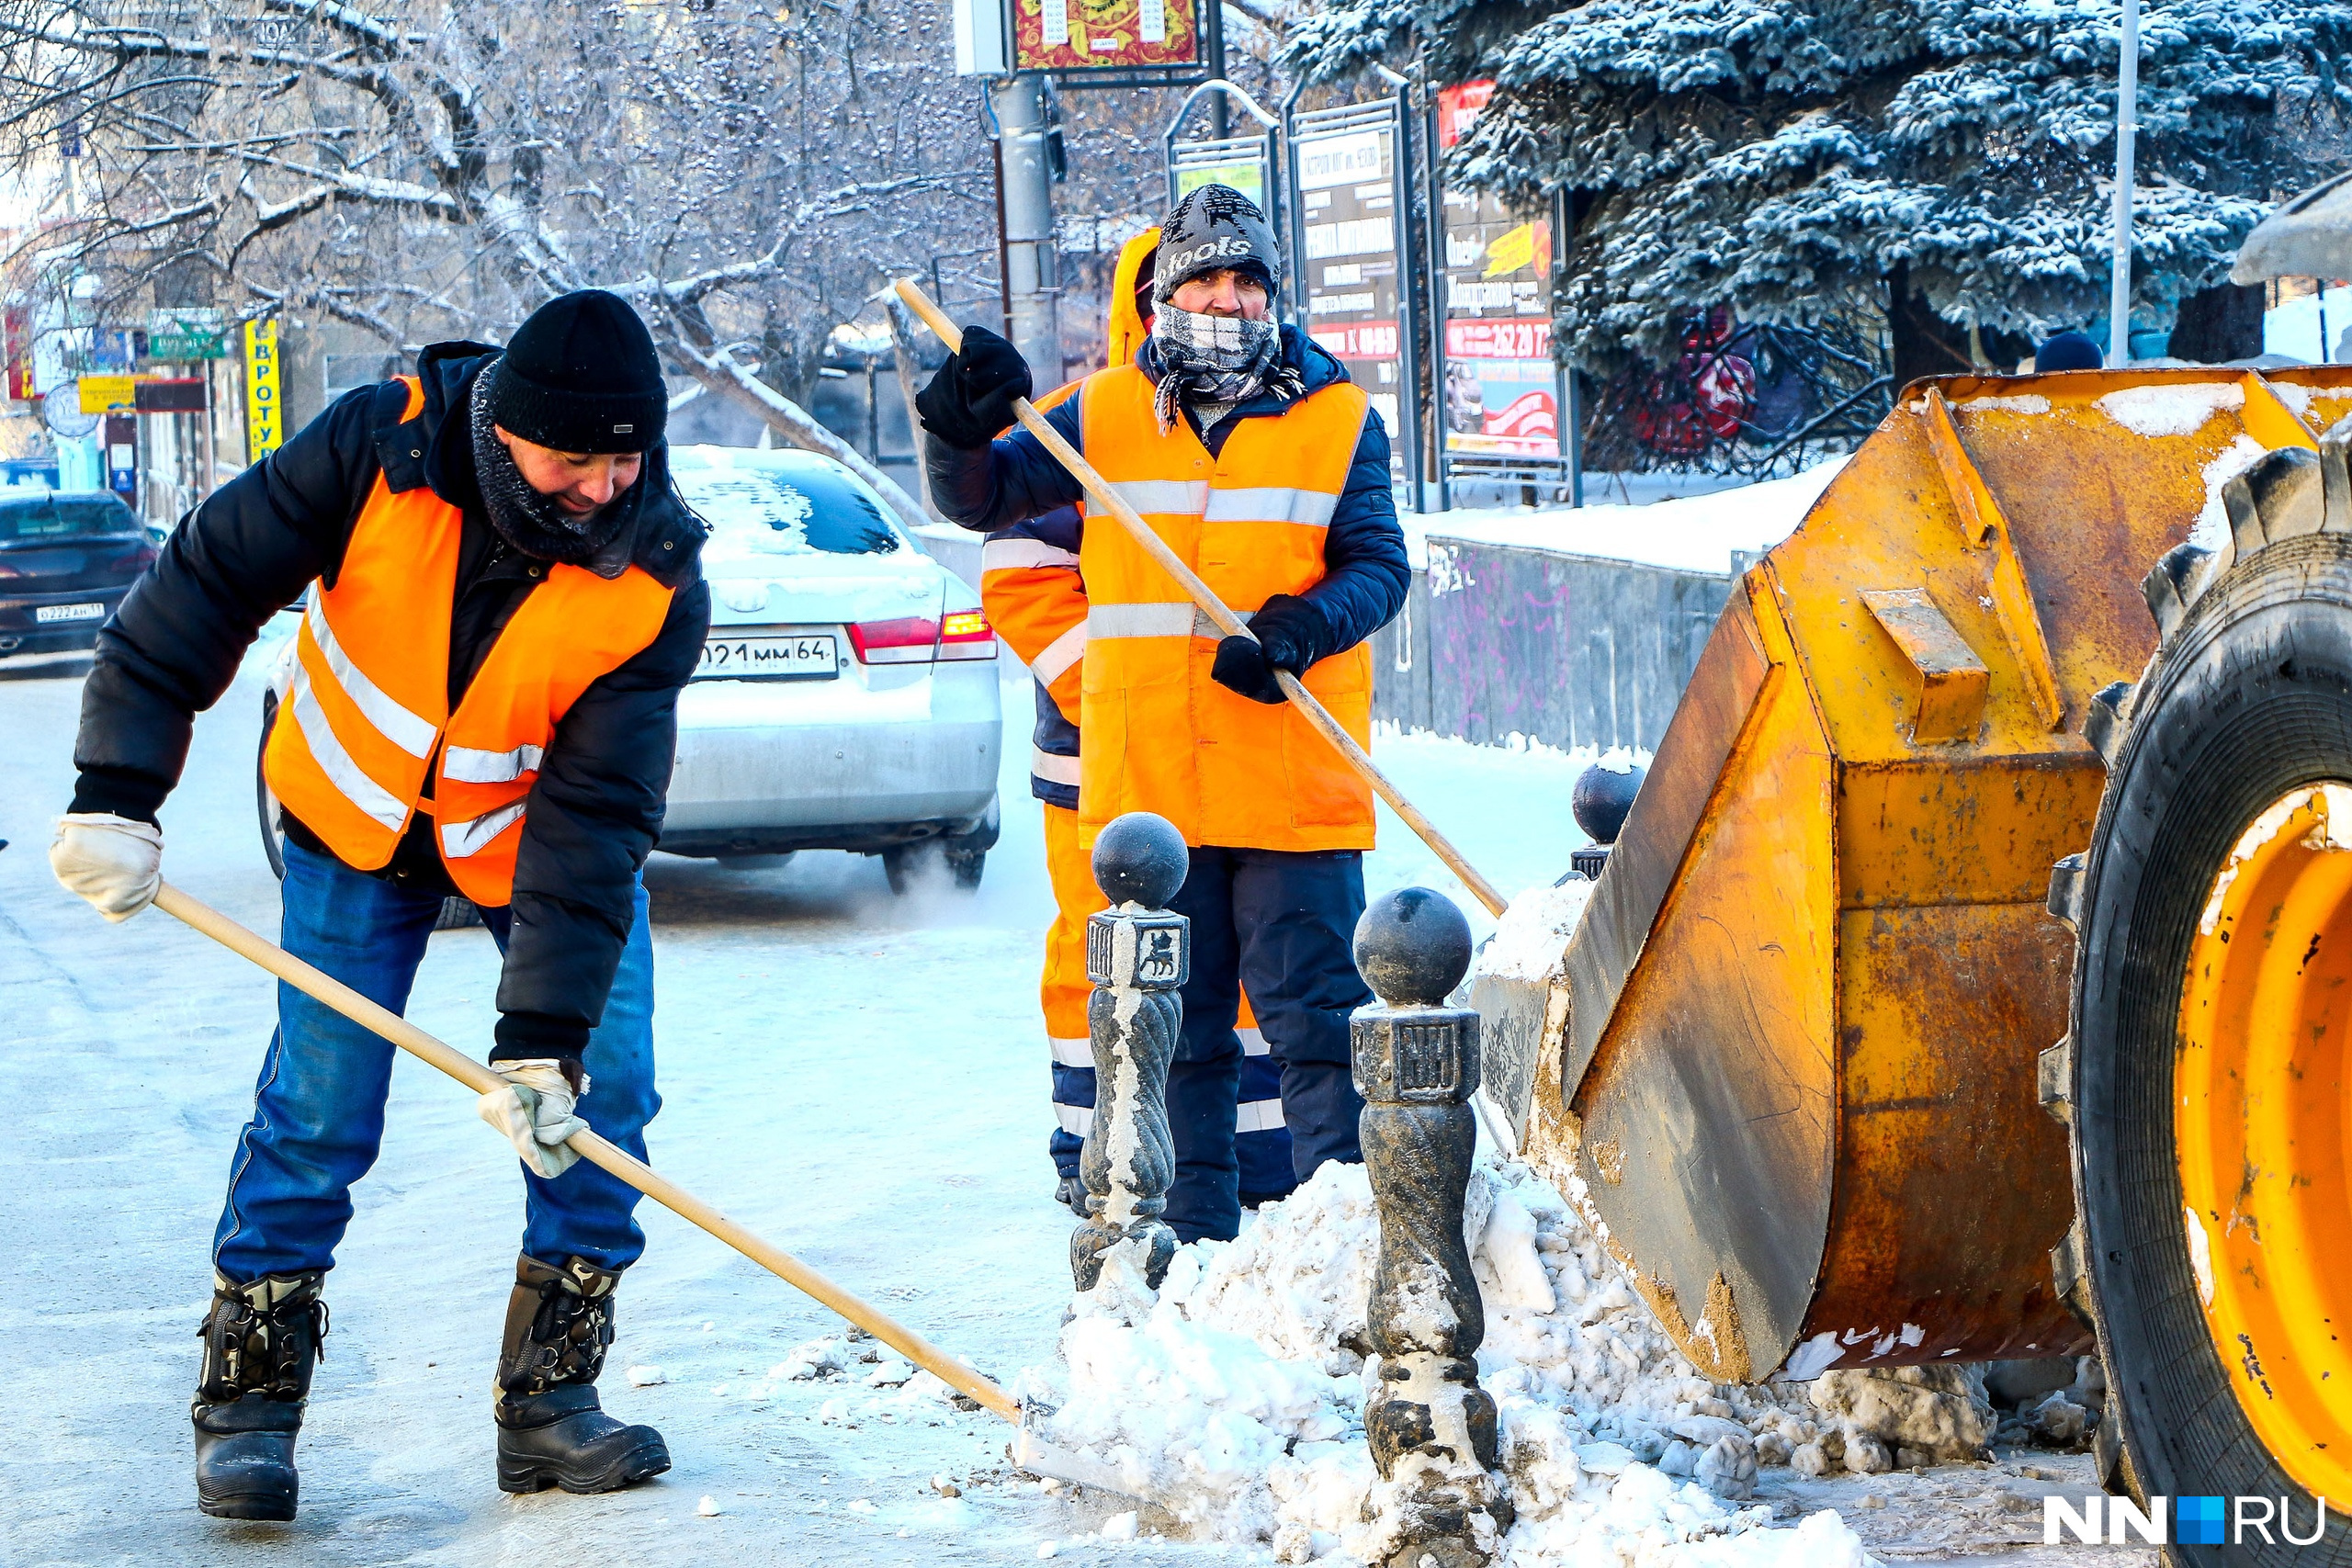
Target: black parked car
{"points": [[66, 560]]}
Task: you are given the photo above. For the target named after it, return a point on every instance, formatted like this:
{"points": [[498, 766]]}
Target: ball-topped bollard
{"points": [[1602, 799], [1431, 1428], [1412, 947], [1140, 859], [1138, 953]]}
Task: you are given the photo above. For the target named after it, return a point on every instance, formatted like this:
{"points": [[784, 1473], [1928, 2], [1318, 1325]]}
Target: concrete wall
{"points": [[1571, 650]]}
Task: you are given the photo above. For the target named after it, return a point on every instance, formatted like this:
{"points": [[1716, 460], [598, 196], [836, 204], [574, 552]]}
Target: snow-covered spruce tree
{"points": [[1948, 162]]}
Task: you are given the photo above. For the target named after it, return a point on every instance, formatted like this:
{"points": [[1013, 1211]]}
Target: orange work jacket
{"points": [[367, 718], [1160, 734], [1030, 589]]}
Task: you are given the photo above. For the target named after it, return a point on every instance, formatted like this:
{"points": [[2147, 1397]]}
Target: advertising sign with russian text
{"points": [[1501, 393], [1347, 195], [265, 423]]}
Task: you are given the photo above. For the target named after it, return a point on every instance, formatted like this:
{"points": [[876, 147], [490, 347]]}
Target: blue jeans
{"points": [[319, 1108]]}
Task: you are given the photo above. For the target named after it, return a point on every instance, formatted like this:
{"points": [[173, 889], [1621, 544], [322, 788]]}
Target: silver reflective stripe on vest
{"points": [[1253, 1042], [1273, 503], [1076, 1120], [1015, 554], [1071, 1053], [396, 724], [1044, 764], [466, 765], [1186, 498], [372, 798], [460, 839], [1060, 654], [1186, 619]]}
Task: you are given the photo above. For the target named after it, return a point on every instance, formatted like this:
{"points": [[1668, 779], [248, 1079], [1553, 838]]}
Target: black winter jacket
{"points": [[1365, 570], [172, 649]]}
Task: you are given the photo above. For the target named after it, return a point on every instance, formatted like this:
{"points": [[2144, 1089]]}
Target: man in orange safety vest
{"points": [[1245, 447]]}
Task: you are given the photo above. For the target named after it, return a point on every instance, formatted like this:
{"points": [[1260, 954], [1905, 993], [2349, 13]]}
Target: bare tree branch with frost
{"points": [[746, 174]]}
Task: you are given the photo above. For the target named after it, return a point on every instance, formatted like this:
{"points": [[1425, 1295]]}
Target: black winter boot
{"points": [[261, 1342], [551, 1429]]}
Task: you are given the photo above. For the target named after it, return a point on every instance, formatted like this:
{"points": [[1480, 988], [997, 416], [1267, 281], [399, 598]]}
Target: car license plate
{"points": [[48, 614], [815, 657]]}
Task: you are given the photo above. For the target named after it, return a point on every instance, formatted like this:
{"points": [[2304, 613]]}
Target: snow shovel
{"points": [[1099, 491], [1029, 1451]]}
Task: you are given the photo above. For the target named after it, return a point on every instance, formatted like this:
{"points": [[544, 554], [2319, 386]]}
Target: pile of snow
{"points": [[1234, 1394], [1533, 934], [2170, 408]]}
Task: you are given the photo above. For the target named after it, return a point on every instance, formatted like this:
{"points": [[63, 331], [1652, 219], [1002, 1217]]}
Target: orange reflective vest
{"points": [[1160, 734], [367, 718]]}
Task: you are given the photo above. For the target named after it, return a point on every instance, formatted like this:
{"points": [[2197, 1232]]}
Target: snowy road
{"points": [[859, 1077]]}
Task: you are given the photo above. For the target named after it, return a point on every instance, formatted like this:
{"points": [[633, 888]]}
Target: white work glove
{"points": [[113, 862], [534, 1109]]}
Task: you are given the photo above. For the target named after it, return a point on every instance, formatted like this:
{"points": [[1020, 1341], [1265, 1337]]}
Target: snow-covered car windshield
{"points": [[758, 510]]}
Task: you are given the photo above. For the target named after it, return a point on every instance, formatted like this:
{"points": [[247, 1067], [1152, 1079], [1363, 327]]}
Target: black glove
{"points": [[1288, 636], [971, 397]]}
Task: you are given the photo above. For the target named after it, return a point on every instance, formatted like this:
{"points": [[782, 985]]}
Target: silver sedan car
{"points": [[847, 697]]}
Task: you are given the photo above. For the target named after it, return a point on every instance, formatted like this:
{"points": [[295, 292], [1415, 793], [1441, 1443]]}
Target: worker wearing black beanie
{"points": [[502, 602], [581, 376]]}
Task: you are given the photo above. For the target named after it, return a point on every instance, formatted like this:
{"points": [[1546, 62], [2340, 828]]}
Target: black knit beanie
{"points": [[581, 376], [1213, 227]]}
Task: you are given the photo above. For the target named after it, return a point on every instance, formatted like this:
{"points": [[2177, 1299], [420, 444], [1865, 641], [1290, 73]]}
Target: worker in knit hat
{"points": [[1248, 450], [500, 601]]}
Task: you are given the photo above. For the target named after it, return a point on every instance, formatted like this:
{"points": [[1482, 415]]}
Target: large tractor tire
{"points": [[2206, 1071]]}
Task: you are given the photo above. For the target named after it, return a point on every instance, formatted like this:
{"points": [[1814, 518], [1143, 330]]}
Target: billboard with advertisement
{"points": [[1105, 35], [1346, 179], [1502, 393]]}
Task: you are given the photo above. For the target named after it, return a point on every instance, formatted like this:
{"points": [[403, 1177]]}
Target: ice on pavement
{"points": [[1234, 1395]]}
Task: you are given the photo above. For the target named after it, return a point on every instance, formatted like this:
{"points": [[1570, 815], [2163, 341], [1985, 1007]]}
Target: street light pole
{"points": [[2127, 116], [1032, 288]]}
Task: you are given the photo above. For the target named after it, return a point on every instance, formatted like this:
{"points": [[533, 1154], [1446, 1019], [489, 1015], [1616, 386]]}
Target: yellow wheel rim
{"points": [[2259, 1125]]}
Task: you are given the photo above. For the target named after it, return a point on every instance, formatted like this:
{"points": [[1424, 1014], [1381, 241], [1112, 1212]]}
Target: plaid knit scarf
{"points": [[1216, 360]]}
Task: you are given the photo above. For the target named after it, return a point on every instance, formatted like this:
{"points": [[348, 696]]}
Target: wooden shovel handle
{"points": [[590, 1146]]}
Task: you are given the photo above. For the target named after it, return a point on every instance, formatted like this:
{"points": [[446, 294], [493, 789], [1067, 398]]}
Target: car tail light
{"points": [[966, 633], [911, 639], [919, 639]]}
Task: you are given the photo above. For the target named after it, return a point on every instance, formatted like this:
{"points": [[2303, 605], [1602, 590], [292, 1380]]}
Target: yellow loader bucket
{"points": [[1796, 1066]]}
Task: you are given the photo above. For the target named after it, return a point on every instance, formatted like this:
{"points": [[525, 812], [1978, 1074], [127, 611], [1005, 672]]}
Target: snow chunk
{"points": [[2020, 402], [2170, 408], [1534, 930], [709, 1507], [645, 1377]]}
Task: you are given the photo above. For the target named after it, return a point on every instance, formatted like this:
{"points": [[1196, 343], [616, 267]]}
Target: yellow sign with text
{"points": [[1511, 251], [264, 399], [103, 394]]}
